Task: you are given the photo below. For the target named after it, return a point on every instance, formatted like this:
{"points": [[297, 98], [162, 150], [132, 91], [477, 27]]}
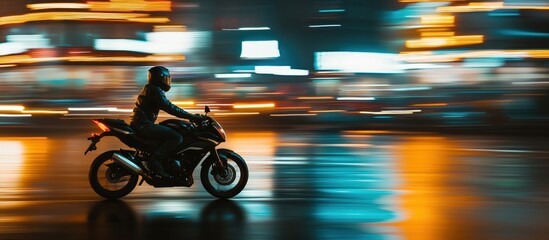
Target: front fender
{"points": [[223, 153]]}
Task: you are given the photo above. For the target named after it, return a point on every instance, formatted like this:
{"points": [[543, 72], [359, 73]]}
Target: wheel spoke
{"points": [[108, 183], [233, 177], [230, 185], [110, 180]]}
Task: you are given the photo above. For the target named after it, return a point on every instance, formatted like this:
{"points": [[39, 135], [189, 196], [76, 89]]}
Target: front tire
{"points": [[233, 183], [110, 180]]}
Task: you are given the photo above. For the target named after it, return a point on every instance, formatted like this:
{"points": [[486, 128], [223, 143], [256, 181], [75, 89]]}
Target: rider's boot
{"points": [[158, 169]]}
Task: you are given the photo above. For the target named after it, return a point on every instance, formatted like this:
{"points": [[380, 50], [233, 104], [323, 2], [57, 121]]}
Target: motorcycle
{"points": [[115, 173]]}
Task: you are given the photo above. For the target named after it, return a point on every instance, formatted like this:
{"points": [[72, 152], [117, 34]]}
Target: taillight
{"points": [[102, 126]]}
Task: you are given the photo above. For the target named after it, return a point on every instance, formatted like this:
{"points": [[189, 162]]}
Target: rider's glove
{"points": [[198, 117]]}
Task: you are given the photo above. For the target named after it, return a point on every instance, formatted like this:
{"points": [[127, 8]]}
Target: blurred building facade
{"points": [[384, 62]]}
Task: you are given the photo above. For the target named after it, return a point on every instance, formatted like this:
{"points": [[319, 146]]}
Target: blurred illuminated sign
{"points": [[156, 42], [260, 49], [358, 62], [21, 43], [281, 70]]}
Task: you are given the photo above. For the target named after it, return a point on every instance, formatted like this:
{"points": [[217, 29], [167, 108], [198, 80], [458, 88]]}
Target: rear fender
{"points": [[95, 138]]}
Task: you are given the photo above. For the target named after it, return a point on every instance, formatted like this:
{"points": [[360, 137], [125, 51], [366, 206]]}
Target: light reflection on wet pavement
{"points": [[340, 185]]}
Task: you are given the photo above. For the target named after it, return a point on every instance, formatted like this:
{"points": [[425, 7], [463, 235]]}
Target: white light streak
{"points": [[11, 108], [294, 115], [233, 75], [325, 25], [15, 115], [247, 29], [280, 70], [410, 89], [356, 98], [529, 83], [392, 112], [121, 110]]}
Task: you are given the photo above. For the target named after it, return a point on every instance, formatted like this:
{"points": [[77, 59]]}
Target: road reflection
{"points": [[303, 185], [116, 219], [22, 159]]}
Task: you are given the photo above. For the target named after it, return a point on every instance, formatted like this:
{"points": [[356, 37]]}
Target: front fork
{"points": [[220, 165]]}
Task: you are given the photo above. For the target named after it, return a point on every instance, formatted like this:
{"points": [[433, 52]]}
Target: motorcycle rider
{"points": [[152, 99]]}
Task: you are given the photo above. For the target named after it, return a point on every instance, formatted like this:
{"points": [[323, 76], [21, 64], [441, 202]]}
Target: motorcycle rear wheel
{"points": [[110, 180], [233, 183]]}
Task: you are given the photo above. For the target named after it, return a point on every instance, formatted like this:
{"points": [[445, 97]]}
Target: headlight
{"points": [[219, 129]]}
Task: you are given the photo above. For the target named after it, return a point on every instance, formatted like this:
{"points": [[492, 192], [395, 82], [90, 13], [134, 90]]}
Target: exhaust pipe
{"points": [[126, 163]]}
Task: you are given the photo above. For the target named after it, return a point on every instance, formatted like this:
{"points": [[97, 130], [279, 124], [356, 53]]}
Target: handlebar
{"points": [[203, 121]]}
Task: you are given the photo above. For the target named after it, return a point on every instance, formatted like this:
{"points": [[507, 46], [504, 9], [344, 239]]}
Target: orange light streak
{"points": [[437, 20], [17, 59], [188, 103], [131, 5], [43, 6], [236, 113], [150, 20], [45, 111], [430, 105], [427, 56], [436, 42], [253, 105], [80, 16], [170, 28], [437, 34], [486, 7], [316, 98]]}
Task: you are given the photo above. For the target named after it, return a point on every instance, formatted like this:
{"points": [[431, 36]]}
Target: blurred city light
{"points": [[401, 63], [130, 5], [43, 6], [357, 62], [260, 49]]}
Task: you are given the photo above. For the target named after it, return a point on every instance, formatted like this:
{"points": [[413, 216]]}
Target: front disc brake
{"points": [[231, 176]]}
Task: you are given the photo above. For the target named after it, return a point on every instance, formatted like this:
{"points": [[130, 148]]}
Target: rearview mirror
{"points": [[207, 109]]}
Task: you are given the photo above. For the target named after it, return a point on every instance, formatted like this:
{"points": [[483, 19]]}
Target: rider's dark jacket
{"points": [[149, 102]]}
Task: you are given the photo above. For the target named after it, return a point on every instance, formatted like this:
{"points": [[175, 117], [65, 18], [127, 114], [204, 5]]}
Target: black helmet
{"points": [[160, 76]]}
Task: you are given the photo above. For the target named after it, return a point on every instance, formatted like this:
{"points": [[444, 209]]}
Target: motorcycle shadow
{"points": [[116, 219]]}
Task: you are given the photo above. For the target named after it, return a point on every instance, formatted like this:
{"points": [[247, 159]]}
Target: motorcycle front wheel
{"points": [[110, 180], [234, 181]]}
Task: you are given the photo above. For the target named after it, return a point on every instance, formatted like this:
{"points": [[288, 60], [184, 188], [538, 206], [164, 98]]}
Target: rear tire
{"points": [[230, 186], [110, 180]]}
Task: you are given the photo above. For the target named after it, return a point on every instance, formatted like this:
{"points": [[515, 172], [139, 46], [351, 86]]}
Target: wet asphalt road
{"points": [[303, 185]]}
